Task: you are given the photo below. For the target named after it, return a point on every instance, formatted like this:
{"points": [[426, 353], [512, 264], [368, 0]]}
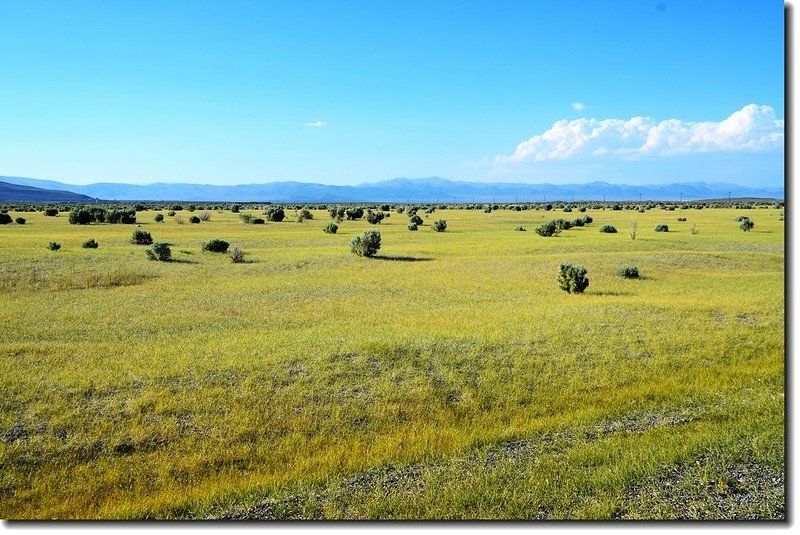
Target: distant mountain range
{"points": [[418, 190], [15, 192]]}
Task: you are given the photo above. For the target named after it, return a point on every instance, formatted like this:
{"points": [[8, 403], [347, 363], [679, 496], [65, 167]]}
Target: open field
{"points": [[449, 377]]}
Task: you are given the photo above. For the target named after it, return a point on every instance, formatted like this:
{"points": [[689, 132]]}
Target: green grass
{"points": [[193, 388]]}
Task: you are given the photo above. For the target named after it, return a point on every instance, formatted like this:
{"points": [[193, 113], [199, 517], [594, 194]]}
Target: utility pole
{"points": [[681, 197], [729, 197], [604, 197], [640, 198]]}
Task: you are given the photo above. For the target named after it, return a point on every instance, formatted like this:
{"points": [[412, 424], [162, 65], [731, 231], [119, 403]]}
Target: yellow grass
{"points": [[152, 389]]}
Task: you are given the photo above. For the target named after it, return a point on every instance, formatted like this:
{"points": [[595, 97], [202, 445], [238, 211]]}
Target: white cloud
{"points": [[317, 124], [751, 129], [578, 106]]}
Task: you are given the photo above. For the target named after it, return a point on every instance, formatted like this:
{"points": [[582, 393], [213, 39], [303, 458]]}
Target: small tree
{"points": [[746, 224], [572, 278], [5, 219], [275, 213], [366, 244], [20, 220], [331, 228], [439, 225], [414, 218], [158, 218], [140, 237], [215, 246], [159, 251], [194, 219], [51, 212]]}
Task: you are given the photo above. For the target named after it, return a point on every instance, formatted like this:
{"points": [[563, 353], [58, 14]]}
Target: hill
{"points": [[16, 192]]}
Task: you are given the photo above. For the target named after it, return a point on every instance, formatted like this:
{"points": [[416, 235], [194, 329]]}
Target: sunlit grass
{"points": [[153, 389]]}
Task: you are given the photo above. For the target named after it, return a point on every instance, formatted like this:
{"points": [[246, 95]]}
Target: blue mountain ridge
{"points": [[405, 190]]}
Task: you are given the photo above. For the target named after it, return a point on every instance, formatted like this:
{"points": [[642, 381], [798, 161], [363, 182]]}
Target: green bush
{"points": [[681, 219], [572, 278], [5, 219], [746, 224], [158, 218], [440, 225], [375, 217], [54, 246], [608, 229], [237, 256], [140, 237], [80, 216], [414, 218], [125, 217], [216, 246], [366, 244], [247, 218], [89, 244], [171, 213], [331, 228], [257, 221], [547, 229], [275, 213], [661, 228], [629, 272], [20, 220], [304, 214], [235, 208], [520, 229], [194, 219], [412, 226], [51, 212], [354, 213], [159, 251]]}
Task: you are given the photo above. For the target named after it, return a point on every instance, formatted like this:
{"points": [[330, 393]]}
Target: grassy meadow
{"points": [[448, 377]]}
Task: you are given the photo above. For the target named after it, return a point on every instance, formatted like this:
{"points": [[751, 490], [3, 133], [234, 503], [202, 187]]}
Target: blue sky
{"points": [[346, 92]]}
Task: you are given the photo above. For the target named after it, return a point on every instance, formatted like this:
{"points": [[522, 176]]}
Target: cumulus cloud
{"points": [[578, 106], [751, 129], [317, 124]]}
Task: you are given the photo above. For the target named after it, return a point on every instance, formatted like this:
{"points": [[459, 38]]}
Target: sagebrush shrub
{"points": [[80, 216], [331, 228], [20, 220], [608, 229], [547, 229], [304, 214], [520, 229], [629, 272], [354, 213], [662, 228], [257, 221], [375, 217], [125, 217], [440, 225], [171, 213], [158, 218], [51, 212], [159, 251], [205, 215], [414, 218], [194, 219], [746, 224], [366, 244], [681, 219], [572, 278], [412, 226], [237, 256], [216, 246], [140, 237], [54, 246], [235, 208], [90, 244], [275, 213]]}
